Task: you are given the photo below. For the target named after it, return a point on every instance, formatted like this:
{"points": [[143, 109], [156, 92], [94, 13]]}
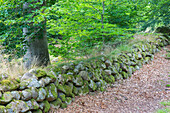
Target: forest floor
{"points": [[142, 93]]}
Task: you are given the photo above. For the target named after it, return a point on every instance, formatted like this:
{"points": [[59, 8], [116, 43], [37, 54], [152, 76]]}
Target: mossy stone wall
{"points": [[38, 90]]}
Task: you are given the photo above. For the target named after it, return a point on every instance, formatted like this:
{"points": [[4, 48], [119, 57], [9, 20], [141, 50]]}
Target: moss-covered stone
{"points": [[56, 104], [130, 71], [137, 67], [113, 69], [117, 66], [40, 73], [92, 85], [41, 95], [9, 85], [78, 81], [123, 67], [84, 75], [68, 100], [68, 78], [80, 91], [24, 84], [63, 105], [112, 78], [107, 79], [85, 89], [65, 89], [2, 109], [51, 92], [32, 104], [46, 107], [17, 106], [71, 85], [26, 94], [75, 91], [37, 111], [96, 75], [62, 96], [118, 76], [6, 98], [125, 75], [147, 59]]}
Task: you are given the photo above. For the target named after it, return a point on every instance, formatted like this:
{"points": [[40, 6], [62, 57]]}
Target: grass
{"points": [[166, 109], [15, 68]]}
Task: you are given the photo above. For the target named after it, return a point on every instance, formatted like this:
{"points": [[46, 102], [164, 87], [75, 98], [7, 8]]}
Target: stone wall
{"points": [[38, 90]]}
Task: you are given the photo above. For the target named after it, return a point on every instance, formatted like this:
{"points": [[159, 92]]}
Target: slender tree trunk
{"points": [[37, 46], [102, 18]]}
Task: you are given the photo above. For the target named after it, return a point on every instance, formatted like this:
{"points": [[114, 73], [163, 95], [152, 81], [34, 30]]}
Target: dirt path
{"points": [[142, 93]]}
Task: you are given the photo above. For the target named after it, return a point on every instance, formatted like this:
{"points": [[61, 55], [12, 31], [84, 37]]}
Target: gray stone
{"points": [[108, 72], [65, 67], [56, 104], [108, 63], [62, 96], [139, 56], [24, 84], [93, 85], [42, 82], [69, 73], [137, 67], [130, 71], [78, 81], [41, 95], [34, 92], [18, 106], [129, 54], [33, 71], [6, 98], [80, 67], [47, 80], [41, 105], [27, 76], [16, 95], [84, 75], [148, 55], [26, 94], [103, 66], [32, 104], [102, 59], [34, 83], [143, 48], [76, 70], [68, 100], [51, 92]]}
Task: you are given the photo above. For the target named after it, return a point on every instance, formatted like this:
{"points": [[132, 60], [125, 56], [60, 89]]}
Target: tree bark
{"points": [[37, 46]]}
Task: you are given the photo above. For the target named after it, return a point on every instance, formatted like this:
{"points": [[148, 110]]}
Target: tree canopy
{"points": [[77, 26]]}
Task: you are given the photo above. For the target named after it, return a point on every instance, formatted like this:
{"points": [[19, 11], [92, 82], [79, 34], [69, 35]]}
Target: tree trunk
{"points": [[37, 46]]}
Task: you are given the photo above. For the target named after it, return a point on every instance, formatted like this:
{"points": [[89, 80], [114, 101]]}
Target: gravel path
{"points": [[142, 93]]}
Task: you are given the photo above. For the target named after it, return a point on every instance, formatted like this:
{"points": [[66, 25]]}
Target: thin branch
{"points": [[93, 6]]}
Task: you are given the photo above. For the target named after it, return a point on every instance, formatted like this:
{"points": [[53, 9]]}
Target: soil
{"points": [[142, 93]]}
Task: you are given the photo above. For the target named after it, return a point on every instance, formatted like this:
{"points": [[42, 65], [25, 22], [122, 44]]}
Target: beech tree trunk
{"points": [[37, 46]]}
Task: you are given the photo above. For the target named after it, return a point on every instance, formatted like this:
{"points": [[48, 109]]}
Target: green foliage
{"points": [[76, 27]]}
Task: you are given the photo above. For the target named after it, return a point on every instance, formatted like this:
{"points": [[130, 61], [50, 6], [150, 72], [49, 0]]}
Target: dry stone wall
{"points": [[38, 90]]}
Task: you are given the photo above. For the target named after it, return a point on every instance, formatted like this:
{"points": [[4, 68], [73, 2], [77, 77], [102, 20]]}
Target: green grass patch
{"points": [[168, 85], [166, 110], [166, 103]]}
